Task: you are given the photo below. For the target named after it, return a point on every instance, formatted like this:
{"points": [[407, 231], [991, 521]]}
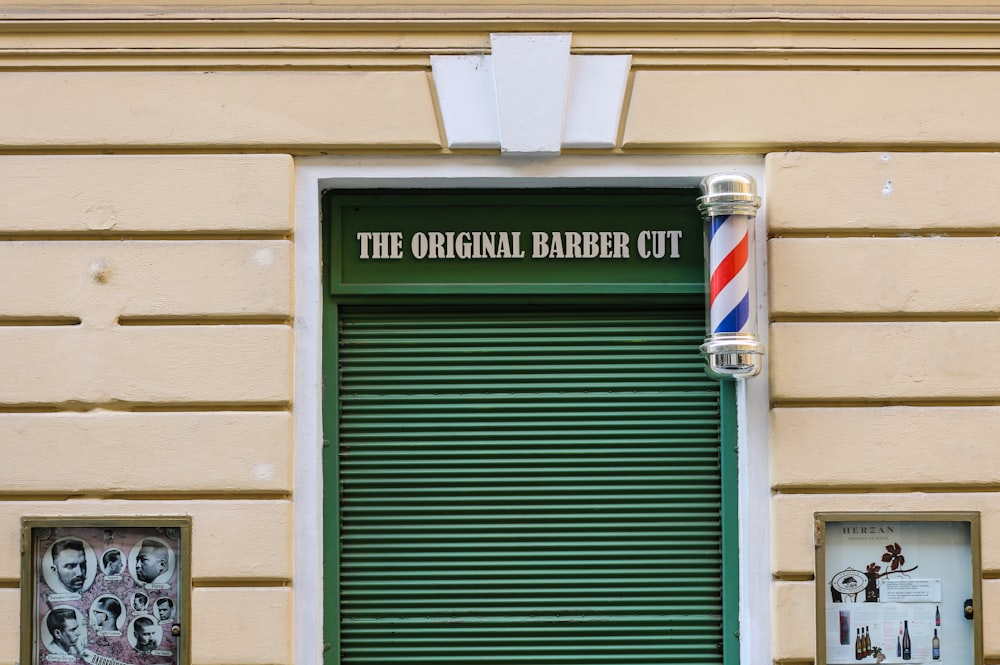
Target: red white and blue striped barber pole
{"points": [[729, 204]]}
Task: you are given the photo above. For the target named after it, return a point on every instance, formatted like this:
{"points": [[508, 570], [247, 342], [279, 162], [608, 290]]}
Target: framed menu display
{"points": [[898, 588], [105, 591]]}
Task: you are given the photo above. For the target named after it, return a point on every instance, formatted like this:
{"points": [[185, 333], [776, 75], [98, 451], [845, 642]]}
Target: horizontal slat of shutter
{"points": [[528, 489]]}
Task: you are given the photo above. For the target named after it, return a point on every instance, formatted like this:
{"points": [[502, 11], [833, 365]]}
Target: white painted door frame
{"points": [[314, 175]]}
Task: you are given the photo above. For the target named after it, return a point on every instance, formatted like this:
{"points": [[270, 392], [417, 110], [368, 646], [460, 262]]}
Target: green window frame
{"points": [[578, 291]]}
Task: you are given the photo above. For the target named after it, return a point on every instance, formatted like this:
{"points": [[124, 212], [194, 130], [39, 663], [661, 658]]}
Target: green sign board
{"points": [[517, 241]]}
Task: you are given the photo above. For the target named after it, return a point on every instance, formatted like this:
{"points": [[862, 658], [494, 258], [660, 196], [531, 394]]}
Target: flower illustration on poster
{"points": [[849, 582]]}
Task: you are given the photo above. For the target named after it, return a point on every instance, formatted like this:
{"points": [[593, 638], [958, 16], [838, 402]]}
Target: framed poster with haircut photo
{"points": [[105, 591]]}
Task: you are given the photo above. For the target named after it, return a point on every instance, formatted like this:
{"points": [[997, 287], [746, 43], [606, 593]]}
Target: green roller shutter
{"points": [[527, 487]]}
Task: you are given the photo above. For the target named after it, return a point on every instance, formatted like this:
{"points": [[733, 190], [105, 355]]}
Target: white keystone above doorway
{"points": [[530, 96]]}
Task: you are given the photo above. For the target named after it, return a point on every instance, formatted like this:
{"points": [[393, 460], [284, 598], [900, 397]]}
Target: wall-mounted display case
{"points": [[107, 591], [898, 588]]}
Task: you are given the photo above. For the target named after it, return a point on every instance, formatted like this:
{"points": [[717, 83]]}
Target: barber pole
{"points": [[729, 279], [729, 204]]}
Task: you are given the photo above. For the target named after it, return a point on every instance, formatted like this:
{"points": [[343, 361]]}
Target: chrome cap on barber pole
{"points": [[729, 204]]}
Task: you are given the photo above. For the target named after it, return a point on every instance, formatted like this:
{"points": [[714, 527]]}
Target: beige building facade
{"points": [[161, 170]]}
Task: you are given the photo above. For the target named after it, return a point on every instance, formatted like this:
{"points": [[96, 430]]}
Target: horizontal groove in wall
{"points": [[389, 59], [194, 234], [820, 61], [242, 583], [41, 408], [299, 150], [221, 406], [39, 321], [422, 151], [876, 403], [794, 58], [180, 496], [207, 320], [882, 232], [781, 576], [140, 407], [748, 150], [769, 146], [200, 583], [944, 488], [880, 317], [352, 60], [431, 17]]}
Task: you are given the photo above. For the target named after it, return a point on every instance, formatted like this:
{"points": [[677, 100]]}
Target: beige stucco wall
{"points": [[883, 314], [146, 259], [145, 322]]}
